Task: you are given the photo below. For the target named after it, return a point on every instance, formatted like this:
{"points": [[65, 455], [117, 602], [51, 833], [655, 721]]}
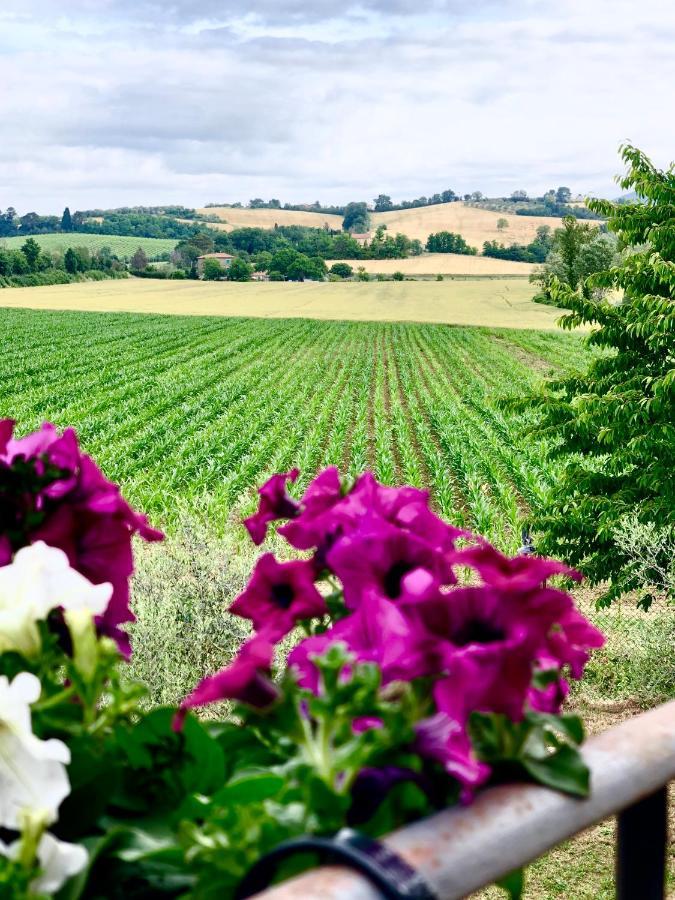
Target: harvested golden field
{"points": [[268, 218], [496, 302], [475, 225], [440, 264]]}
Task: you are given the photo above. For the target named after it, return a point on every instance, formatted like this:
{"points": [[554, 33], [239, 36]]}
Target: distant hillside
{"points": [[234, 217], [475, 225], [124, 247]]}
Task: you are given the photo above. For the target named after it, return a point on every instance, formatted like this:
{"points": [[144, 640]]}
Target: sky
{"points": [[107, 103]]}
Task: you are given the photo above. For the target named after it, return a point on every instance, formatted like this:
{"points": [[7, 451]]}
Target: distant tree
{"points": [[275, 204], [139, 261], [8, 222], [398, 276], [31, 250], [502, 223], [476, 196], [66, 220], [263, 261], [449, 242], [356, 218], [361, 274], [203, 241], [563, 195], [383, 203], [239, 270], [71, 261], [256, 203], [212, 271], [519, 196], [342, 269], [416, 247], [467, 197], [439, 277], [448, 196]]}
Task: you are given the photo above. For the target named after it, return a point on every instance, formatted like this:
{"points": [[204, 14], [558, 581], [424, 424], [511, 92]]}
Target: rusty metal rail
{"points": [[461, 850]]}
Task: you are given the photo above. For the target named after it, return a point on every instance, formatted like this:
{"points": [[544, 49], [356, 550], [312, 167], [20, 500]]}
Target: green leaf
{"points": [[513, 883], [563, 770], [253, 786]]}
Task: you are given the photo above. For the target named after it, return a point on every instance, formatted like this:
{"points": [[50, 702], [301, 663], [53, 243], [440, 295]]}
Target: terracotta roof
{"points": [[216, 256]]}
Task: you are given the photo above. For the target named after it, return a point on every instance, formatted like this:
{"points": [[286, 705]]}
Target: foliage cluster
{"points": [[613, 425]]}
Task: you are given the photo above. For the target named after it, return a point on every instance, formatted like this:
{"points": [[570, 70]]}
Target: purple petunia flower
{"points": [[279, 595], [319, 516], [82, 513], [377, 632], [275, 503], [246, 679], [444, 736], [393, 563], [516, 574]]}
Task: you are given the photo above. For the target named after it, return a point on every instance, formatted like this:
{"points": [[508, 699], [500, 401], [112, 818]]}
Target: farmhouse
{"points": [[225, 260], [361, 238]]}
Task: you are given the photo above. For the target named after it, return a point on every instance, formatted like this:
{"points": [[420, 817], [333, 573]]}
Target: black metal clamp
{"points": [[385, 869]]}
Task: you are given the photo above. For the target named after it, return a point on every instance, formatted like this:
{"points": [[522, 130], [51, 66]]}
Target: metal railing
{"points": [[461, 850]]}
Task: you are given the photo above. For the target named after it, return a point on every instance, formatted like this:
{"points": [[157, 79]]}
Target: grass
{"points": [[495, 302], [123, 246]]}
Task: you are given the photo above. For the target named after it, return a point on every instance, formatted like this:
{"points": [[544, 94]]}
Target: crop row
{"points": [[200, 411]]}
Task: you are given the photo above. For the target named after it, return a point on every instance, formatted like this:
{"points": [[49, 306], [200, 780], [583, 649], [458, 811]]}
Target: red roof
{"points": [[216, 256]]}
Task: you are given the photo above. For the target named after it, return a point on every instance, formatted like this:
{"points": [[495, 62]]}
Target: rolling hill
{"points": [[475, 225], [233, 217]]}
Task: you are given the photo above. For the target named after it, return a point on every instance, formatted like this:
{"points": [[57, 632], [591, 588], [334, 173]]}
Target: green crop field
{"points": [[205, 408], [124, 247]]}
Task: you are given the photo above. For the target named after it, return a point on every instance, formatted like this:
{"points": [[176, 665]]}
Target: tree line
{"points": [[31, 266]]}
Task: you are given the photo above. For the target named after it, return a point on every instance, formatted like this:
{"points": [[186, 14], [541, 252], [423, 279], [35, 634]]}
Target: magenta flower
{"points": [[378, 632], [246, 679], [319, 514], [444, 736], [77, 510], [548, 699], [275, 503], [405, 507], [570, 642], [394, 564], [279, 595], [517, 574]]}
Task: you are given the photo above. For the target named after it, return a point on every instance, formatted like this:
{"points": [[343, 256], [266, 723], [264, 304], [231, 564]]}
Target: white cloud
{"points": [[115, 102]]}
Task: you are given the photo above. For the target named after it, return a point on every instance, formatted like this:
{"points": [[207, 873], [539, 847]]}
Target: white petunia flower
{"points": [[58, 861], [32, 771], [38, 580]]}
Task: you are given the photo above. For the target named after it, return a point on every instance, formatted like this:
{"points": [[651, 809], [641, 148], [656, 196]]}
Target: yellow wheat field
{"points": [[475, 225], [496, 302], [440, 264], [268, 218]]}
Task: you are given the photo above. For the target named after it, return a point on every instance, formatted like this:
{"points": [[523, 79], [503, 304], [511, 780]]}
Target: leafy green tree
{"points": [[31, 250], [613, 426], [502, 223], [139, 261], [239, 270], [66, 220], [343, 270], [383, 203], [212, 271], [71, 261], [449, 242], [398, 276], [563, 195], [356, 218], [519, 196]]}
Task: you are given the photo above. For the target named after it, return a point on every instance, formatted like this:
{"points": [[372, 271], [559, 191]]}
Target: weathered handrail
{"points": [[461, 850]]}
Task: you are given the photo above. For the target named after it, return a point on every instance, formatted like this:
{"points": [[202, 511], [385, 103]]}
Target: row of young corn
{"points": [[203, 410]]}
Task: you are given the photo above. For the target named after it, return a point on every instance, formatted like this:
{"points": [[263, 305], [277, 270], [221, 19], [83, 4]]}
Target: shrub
{"points": [[398, 276], [343, 270]]}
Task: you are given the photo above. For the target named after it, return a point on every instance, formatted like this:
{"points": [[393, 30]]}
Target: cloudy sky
{"points": [[120, 102]]}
